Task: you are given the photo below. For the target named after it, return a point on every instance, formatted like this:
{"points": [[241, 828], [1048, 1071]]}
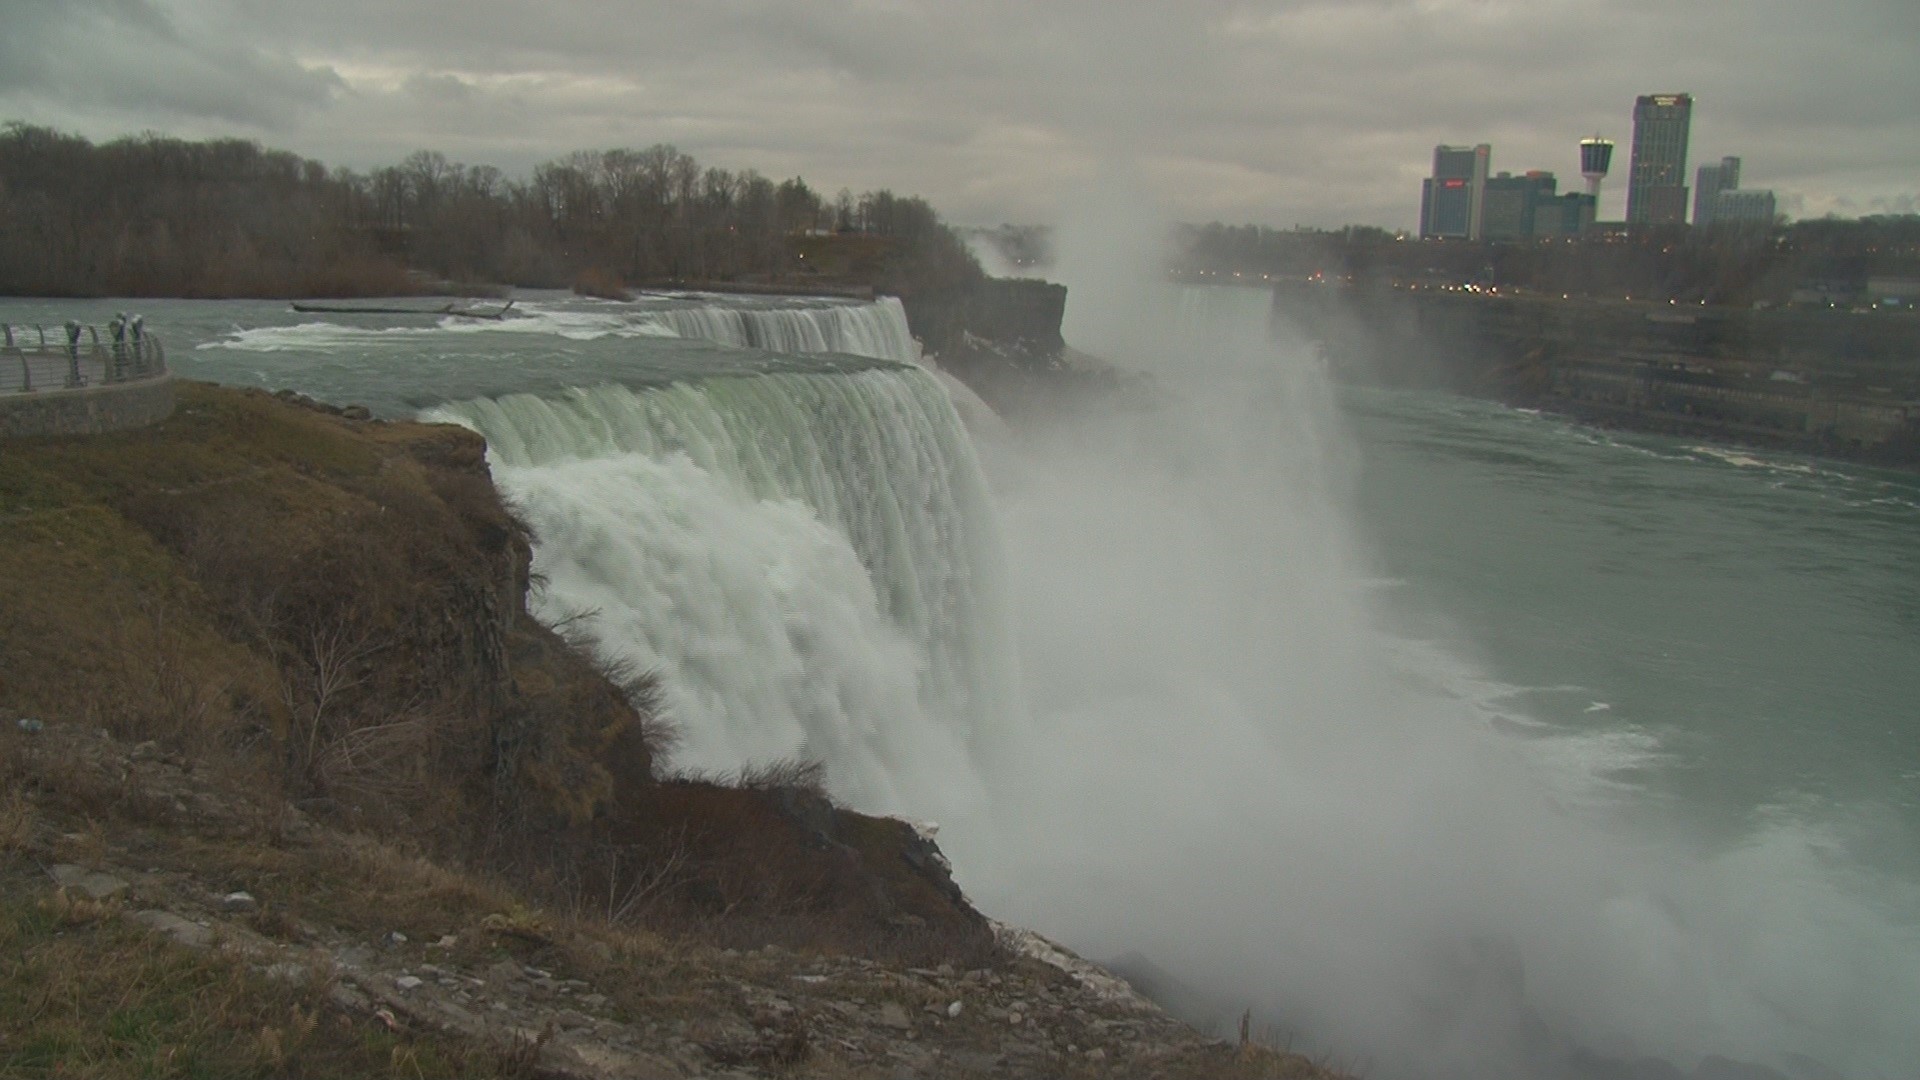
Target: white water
{"points": [[1217, 757], [877, 329], [807, 559], [1252, 782]]}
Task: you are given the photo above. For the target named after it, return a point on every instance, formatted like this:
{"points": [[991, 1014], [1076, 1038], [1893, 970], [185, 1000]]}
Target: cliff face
{"points": [[1000, 310], [1002, 338], [1821, 382]]}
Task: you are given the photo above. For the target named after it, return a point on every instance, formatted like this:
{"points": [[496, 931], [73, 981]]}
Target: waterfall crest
{"points": [[809, 561], [878, 329]]}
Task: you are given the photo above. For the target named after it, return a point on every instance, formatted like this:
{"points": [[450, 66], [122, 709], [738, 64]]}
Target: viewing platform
{"points": [[82, 380]]}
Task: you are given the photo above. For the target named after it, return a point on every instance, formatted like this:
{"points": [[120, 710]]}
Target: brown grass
{"points": [[342, 599], [86, 995]]}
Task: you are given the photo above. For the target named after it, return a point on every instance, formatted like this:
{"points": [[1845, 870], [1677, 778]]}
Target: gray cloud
{"points": [[103, 63], [1282, 112]]}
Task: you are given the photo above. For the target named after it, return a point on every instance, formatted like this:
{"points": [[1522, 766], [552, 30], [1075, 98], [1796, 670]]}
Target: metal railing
{"points": [[78, 356]]}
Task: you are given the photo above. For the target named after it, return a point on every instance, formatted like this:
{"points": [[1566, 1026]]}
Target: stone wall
{"points": [[88, 410]]}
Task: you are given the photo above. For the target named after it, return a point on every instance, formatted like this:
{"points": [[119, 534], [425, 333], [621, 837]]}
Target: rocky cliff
{"points": [[1817, 381]]}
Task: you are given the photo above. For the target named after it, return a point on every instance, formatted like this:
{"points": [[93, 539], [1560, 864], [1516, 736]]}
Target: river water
{"points": [[1449, 736]]}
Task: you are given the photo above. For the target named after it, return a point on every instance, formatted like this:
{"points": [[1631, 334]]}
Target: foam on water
{"points": [[876, 329]]}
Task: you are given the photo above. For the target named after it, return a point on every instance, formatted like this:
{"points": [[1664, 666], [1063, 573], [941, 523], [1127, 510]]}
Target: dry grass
{"points": [[86, 995], [18, 822], [335, 606]]}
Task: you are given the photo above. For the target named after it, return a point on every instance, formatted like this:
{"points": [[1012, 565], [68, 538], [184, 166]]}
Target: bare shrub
{"points": [[787, 774], [601, 284]]}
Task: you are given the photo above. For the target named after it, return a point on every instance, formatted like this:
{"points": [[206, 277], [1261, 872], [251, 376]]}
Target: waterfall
{"points": [[809, 561], [878, 329], [1223, 756]]}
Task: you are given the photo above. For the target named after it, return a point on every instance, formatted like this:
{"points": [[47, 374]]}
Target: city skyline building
{"points": [[1743, 206], [1657, 176], [1564, 215], [1452, 199], [1708, 183], [1510, 201]]}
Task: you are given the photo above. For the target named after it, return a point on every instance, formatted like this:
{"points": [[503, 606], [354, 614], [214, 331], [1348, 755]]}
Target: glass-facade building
{"points": [[1708, 183], [1452, 200], [1657, 182]]}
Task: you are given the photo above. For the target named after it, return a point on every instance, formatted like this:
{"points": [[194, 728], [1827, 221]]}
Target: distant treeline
{"points": [[158, 216], [1720, 265]]}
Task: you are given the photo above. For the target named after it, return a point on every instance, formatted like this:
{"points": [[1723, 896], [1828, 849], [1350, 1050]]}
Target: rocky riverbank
{"points": [[392, 945]]}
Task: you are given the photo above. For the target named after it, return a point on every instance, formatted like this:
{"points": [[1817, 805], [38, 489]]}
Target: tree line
{"points": [[152, 215], [1731, 265]]}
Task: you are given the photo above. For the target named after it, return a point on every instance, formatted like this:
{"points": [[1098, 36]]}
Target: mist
{"points": [[1233, 768]]}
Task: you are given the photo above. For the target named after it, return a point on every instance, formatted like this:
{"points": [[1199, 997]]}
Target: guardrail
{"points": [[78, 356]]}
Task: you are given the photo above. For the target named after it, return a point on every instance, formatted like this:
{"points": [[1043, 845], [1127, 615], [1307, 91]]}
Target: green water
{"points": [[1751, 620]]}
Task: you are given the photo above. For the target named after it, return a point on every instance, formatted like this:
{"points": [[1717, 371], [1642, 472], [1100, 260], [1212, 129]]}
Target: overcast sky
{"points": [[1280, 113]]}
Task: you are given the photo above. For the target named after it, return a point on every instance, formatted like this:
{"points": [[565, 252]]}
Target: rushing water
{"points": [[1452, 737]]}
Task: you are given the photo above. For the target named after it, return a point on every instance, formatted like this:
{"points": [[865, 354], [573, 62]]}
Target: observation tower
{"points": [[1596, 154]]}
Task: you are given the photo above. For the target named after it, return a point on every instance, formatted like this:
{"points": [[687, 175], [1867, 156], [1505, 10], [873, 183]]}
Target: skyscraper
{"points": [[1708, 183], [1657, 183], [1452, 201]]}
